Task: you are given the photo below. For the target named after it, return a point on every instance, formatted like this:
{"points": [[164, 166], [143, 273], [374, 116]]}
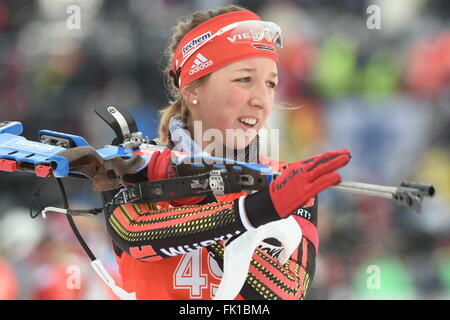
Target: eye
{"points": [[271, 84], [243, 79]]}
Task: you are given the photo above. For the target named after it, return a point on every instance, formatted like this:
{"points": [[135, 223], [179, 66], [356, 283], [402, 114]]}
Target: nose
{"points": [[260, 96]]}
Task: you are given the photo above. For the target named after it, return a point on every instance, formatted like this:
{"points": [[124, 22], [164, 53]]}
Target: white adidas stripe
{"points": [[201, 57], [197, 61]]}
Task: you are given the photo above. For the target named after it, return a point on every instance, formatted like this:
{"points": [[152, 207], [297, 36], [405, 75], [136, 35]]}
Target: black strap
{"points": [[72, 223], [178, 188]]}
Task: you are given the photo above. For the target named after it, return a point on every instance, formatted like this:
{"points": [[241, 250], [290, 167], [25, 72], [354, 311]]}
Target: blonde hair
{"points": [[177, 105]]}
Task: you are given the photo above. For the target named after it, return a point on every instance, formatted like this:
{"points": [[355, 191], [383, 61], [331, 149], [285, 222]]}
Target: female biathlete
{"points": [[223, 73]]}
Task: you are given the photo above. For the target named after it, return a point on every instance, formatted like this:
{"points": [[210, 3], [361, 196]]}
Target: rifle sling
{"points": [[178, 188]]}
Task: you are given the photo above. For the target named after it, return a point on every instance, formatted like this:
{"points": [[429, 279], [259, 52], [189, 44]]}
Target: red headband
{"points": [[219, 50]]}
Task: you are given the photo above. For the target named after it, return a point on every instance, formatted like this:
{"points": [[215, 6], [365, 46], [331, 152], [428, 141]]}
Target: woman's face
{"points": [[236, 100]]}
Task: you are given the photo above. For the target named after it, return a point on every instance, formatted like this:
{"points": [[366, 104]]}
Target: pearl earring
{"points": [[194, 101]]}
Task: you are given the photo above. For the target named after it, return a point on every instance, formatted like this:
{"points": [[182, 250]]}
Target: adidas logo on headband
{"points": [[200, 63]]}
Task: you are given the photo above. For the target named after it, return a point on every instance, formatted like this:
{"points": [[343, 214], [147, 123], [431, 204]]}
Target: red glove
{"points": [[304, 179], [298, 183], [160, 167]]}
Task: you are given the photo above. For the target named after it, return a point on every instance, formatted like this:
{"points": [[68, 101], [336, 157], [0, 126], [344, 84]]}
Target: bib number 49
{"points": [[189, 274]]}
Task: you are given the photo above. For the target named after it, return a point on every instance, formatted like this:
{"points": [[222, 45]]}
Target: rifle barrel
{"points": [[366, 189]]}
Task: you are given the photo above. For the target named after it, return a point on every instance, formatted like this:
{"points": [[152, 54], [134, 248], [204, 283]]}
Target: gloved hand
{"points": [[105, 174], [298, 183], [160, 167]]}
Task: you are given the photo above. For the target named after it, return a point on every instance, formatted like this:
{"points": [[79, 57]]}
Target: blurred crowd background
{"points": [[382, 92]]}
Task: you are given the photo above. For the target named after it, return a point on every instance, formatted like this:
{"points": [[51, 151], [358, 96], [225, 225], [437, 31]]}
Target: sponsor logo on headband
{"points": [[194, 42], [200, 63], [251, 35]]}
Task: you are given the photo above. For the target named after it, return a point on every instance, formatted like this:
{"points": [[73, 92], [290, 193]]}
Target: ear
{"points": [[190, 93]]}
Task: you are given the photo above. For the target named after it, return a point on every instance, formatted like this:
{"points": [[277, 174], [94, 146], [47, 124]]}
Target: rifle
{"points": [[195, 175], [203, 175]]}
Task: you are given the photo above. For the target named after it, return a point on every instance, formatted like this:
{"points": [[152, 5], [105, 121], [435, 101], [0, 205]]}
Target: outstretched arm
{"points": [[149, 234]]}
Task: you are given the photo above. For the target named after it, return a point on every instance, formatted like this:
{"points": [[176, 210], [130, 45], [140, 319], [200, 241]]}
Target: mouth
{"points": [[249, 122]]}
